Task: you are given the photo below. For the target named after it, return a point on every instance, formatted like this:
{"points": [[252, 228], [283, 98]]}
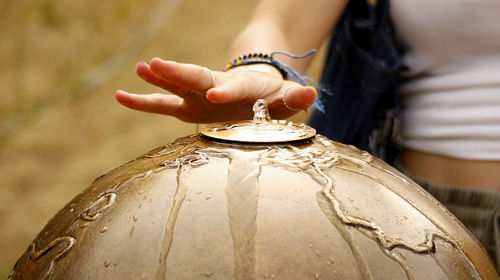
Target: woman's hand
{"points": [[201, 95]]}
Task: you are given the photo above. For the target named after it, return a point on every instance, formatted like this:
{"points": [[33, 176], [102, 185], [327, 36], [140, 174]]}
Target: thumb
{"points": [[298, 98]]}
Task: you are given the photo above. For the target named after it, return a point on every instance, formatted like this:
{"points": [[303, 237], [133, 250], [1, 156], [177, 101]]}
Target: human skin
{"points": [[201, 95]]}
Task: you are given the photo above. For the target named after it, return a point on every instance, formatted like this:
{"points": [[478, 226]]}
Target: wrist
{"points": [[260, 67], [257, 58], [285, 70]]}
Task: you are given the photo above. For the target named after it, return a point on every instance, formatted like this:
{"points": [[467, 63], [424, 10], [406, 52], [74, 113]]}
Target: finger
{"points": [[245, 89], [230, 92], [143, 70], [189, 76], [152, 103], [298, 98]]}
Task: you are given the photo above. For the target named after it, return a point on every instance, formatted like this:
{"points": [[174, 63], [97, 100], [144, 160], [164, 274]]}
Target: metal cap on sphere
{"points": [[297, 206], [259, 130]]}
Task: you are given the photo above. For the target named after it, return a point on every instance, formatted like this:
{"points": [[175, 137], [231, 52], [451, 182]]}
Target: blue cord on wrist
{"points": [[285, 70]]}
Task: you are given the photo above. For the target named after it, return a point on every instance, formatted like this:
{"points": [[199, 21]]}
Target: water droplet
{"points": [[318, 253], [134, 218], [208, 274], [148, 173], [316, 275], [104, 229], [107, 263], [208, 197]]}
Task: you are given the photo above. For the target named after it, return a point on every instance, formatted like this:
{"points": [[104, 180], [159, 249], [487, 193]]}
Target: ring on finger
{"points": [[284, 99], [212, 78]]}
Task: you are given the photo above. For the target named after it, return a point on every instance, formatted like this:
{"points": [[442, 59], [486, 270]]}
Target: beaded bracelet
{"points": [[255, 58], [285, 70]]}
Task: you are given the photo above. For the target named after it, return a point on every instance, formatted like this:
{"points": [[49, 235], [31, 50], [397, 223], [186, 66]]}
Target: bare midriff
{"points": [[447, 171]]}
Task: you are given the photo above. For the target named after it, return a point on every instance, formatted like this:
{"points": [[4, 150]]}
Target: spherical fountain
{"points": [[259, 199]]}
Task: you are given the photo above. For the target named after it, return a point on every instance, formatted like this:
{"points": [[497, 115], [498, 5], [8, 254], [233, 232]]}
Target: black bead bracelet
{"points": [[255, 58]]}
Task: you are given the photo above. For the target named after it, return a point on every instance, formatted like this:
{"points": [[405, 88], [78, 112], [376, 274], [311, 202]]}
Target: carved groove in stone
{"points": [[97, 207], [37, 254]]}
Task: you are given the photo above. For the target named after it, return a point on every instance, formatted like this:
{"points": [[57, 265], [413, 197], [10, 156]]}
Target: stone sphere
{"points": [[205, 208]]}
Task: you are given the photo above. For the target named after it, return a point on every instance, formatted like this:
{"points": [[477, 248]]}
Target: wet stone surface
{"points": [[300, 210]]}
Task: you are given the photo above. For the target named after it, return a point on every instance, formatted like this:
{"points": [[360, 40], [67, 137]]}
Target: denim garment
{"points": [[361, 75]]}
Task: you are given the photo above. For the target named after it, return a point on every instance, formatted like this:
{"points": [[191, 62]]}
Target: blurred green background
{"points": [[60, 63]]}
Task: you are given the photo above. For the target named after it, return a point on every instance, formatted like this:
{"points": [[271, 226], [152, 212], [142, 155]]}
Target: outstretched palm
{"points": [[200, 95]]}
